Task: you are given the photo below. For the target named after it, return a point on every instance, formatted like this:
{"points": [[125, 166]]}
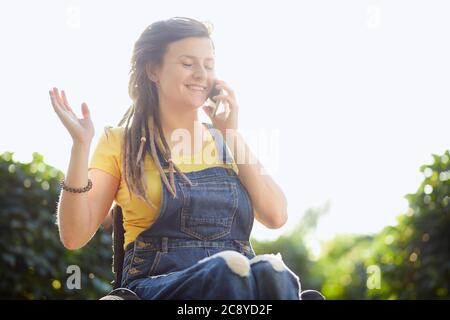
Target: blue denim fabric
{"points": [[198, 248]]}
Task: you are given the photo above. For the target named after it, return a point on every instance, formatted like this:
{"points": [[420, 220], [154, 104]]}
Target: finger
{"points": [[85, 111], [222, 98], [58, 109], [64, 99], [227, 109], [58, 99], [209, 111], [208, 108], [228, 106], [223, 85]]}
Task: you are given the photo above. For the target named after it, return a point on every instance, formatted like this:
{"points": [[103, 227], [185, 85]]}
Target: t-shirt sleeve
{"points": [[106, 154]]}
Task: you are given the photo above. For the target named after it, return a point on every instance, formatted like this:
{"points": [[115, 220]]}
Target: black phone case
{"points": [[214, 92]]}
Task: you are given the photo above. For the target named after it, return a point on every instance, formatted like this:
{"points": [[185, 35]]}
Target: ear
{"points": [[151, 72]]}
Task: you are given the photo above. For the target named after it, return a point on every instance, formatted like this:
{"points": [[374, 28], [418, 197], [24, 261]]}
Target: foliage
{"points": [[33, 262], [294, 249], [410, 260]]}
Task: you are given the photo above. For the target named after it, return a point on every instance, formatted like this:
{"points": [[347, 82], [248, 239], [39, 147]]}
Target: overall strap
{"points": [[224, 155]]}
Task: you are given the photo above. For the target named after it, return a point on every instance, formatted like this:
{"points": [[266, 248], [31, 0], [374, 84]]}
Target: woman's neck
{"points": [[183, 128]]}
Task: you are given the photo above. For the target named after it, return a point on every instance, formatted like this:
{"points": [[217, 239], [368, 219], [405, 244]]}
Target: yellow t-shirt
{"points": [[137, 215]]}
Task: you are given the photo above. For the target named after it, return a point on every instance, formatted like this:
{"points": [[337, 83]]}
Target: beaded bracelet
{"points": [[76, 190]]}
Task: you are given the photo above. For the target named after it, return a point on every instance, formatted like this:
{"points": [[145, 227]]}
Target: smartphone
{"points": [[214, 92]]}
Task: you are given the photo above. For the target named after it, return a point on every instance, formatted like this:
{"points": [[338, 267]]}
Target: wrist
{"points": [[230, 133], [235, 143], [76, 190], [76, 145]]}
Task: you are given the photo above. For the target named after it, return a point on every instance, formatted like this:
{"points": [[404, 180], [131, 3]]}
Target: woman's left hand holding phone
{"points": [[228, 119]]}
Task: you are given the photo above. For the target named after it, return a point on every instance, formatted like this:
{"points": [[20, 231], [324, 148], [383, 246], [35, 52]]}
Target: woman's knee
{"points": [[272, 261], [274, 279], [233, 260], [269, 265]]}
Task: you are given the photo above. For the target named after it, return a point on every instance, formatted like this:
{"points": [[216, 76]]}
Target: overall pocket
{"points": [[143, 264], [209, 208], [178, 259]]}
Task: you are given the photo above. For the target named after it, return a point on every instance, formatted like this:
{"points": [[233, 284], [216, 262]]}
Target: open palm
{"points": [[81, 129]]}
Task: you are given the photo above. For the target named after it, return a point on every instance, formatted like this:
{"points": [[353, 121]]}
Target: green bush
{"points": [[410, 260], [418, 266], [294, 249], [413, 257], [33, 262]]}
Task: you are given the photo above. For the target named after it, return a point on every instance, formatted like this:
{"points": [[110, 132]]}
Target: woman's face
{"points": [[186, 63]]}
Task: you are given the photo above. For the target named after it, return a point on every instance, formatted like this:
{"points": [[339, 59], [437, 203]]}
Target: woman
{"points": [[188, 225]]}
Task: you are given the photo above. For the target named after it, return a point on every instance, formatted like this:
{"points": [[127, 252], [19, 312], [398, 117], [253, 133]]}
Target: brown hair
{"points": [[141, 137]]}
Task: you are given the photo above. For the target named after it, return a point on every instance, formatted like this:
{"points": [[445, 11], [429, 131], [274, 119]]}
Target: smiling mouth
{"points": [[196, 88]]}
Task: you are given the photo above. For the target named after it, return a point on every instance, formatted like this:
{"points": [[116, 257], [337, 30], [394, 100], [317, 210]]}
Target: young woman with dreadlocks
{"points": [[187, 223]]}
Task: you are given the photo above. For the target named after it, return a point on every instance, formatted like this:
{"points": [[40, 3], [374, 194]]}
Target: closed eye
{"points": [[190, 65]]}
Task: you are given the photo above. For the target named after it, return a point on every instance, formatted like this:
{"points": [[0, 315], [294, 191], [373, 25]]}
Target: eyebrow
{"points": [[194, 57]]}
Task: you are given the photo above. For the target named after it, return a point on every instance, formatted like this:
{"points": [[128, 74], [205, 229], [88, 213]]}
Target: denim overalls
{"points": [[198, 248]]}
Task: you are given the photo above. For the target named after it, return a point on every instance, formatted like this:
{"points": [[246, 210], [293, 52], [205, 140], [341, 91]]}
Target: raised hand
{"points": [[81, 129]]}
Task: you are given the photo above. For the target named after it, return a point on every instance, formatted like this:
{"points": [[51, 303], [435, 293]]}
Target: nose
{"points": [[200, 72]]}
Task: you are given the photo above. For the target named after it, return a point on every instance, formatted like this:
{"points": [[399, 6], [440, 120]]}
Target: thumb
{"points": [[85, 111], [208, 110]]}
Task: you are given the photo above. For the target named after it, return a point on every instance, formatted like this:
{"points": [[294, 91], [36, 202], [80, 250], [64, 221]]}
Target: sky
{"points": [[354, 94]]}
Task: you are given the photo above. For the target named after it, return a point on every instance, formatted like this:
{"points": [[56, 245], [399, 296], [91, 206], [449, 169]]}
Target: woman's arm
{"points": [[269, 201], [73, 209], [79, 215]]}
